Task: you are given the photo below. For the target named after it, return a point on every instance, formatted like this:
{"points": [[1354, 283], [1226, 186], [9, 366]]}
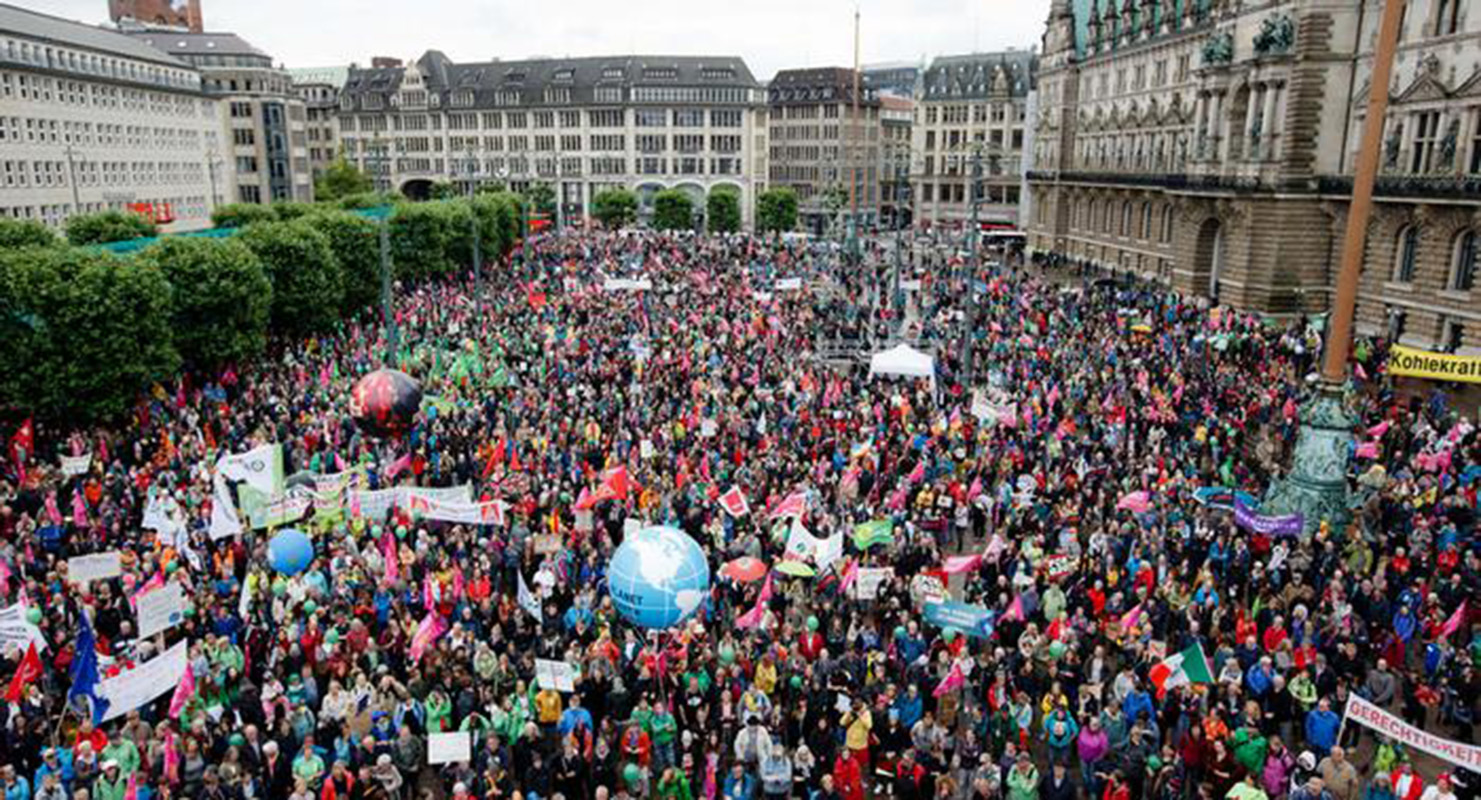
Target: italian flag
{"points": [[1181, 669]]}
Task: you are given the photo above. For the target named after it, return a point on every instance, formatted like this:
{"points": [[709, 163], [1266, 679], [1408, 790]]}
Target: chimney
{"points": [[384, 62], [193, 18]]}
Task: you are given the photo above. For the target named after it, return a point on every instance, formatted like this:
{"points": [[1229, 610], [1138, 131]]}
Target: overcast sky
{"points": [[769, 34]]}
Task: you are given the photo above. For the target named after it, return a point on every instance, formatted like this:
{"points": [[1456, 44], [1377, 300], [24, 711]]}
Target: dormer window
{"points": [[717, 73], [462, 98], [514, 76], [564, 76], [661, 73], [613, 73]]}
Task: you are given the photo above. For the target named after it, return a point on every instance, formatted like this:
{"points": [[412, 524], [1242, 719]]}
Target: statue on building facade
{"points": [[1276, 35], [1219, 49]]}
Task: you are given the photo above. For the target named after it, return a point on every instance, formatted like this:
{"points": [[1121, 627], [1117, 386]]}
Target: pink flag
{"points": [[795, 505], [79, 508], [53, 513], [1456, 620], [850, 574], [1015, 609], [1130, 618], [752, 618], [431, 628], [1367, 450], [4, 578], [1136, 502], [956, 564], [398, 465], [184, 690], [339, 463], [1377, 431], [919, 473], [324, 377], [132, 791], [954, 680], [975, 491], [393, 565], [153, 583], [1357, 369]]}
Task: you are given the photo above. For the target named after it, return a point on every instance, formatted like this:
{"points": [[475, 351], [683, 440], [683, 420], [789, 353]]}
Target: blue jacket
{"points": [[1258, 679], [909, 711], [1137, 702], [743, 789], [1321, 729]]}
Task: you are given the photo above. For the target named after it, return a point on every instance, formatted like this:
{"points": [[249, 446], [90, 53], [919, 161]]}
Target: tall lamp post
{"points": [[213, 163], [470, 164], [1316, 486], [969, 314]]}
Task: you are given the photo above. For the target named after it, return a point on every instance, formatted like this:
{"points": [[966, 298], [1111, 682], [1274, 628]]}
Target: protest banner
{"points": [[17, 631], [866, 586], [1371, 716], [94, 567], [280, 511], [788, 284], [1222, 497], [557, 675], [144, 683], [548, 543], [1415, 363], [627, 285], [972, 620], [1248, 519], [1058, 566], [449, 748], [161, 609], [73, 466]]}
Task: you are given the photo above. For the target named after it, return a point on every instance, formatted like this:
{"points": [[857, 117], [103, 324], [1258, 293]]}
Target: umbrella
{"points": [[744, 569], [796, 569]]}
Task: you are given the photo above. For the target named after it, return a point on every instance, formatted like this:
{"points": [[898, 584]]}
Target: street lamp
{"points": [[380, 154], [502, 173], [213, 163], [471, 168]]}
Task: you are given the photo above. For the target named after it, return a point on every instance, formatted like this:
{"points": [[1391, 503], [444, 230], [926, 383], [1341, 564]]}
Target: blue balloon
{"points": [[290, 551], [658, 577]]}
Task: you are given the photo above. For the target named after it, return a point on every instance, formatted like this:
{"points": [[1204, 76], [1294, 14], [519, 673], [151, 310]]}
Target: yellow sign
{"points": [[1437, 366]]}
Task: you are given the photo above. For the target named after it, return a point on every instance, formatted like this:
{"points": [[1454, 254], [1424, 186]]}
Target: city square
{"points": [[1090, 417]]}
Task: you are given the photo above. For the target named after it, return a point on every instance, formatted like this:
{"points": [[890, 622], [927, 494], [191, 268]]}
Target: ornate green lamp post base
{"points": [[1316, 486]]}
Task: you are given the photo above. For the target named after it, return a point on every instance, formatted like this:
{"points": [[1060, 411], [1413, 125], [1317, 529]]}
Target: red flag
{"points": [[955, 564], [1451, 625], [28, 671], [734, 502], [22, 446], [795, 505]]}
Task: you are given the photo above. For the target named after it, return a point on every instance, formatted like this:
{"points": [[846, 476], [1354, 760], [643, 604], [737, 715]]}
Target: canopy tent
{"points": [[902, 359]]}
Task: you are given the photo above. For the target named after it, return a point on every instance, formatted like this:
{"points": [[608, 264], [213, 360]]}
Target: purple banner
{"points": [[1246, 517]]}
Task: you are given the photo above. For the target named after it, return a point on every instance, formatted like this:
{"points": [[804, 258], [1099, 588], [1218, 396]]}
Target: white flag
{"points": [[527, 599]]}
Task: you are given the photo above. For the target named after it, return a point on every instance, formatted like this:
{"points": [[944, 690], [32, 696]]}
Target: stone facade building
{"points": [[581, 125], [1210, 145], [318, 88], [896, 122], [817, 147], [91, 119], [972, 104], [159, 13], [267, 151]]}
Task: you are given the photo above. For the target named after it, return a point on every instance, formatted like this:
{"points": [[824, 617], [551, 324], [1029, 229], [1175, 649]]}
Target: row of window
{"points": [[991, 194], [1461, 274], [997, 137], [544, 120], [567, 166], [1128, 220], [1429, 141], [645, 143], [37, 54], [43, 89], [30, 130], [979, 113], [45, 173]]}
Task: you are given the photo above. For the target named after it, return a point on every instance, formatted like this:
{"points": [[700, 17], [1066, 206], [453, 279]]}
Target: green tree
{"points": [[221, 300], [540, 198], [108, 226], [672, 210], [85, 332], [355, 202], [240, 215], [442, 190], [498, 220], [25, 233], [616, 208], [286, 210], [421, 238], [308, 285], [341, 179], [723, 210], [776, 210], [356, 244]]}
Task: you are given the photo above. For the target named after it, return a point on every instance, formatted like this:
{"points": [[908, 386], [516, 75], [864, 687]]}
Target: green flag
{"points": [[877, 531]]}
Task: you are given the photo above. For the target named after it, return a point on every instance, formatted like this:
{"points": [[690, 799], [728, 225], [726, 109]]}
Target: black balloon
{"points": [[385, 402]]}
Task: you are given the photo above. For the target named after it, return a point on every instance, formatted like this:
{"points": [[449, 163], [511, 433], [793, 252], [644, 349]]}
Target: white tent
{"points": [[902, 359]]}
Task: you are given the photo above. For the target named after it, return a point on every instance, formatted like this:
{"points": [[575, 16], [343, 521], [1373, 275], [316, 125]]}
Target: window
{"points": [[249, 194], [689, 143], [650, 118], [1463, 262], [1126, 218], [246, 165], [1426, 133], [1475, 143], [569, 143], [608, 142], [1146, 229], [661, 73], [517, 119], [731, 118], [1405, 252], [608, 94], [649, 143], [570, 119], [1166, 231], [1447, 17], [605, 118], [689, 118], [544, 144], [241, 110], [544, 119], [243, 137]]}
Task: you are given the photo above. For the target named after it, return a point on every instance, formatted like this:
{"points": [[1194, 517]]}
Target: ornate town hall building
{"points": [[1210, 144]]}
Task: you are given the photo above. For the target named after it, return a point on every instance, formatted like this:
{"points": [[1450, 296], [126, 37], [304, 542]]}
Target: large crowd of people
{"points": [[1058, 496]]}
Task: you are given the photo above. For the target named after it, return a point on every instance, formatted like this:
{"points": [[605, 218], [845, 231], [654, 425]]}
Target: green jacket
{"points": [[125, 753], [1023, 785], [1250, 749], [103, 789], [676, 788]]}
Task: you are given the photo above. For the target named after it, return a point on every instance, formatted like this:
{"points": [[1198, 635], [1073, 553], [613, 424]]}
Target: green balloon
{"points": [[332, 636], [33, 616], [1056, 650], [899, 631], [727, 655], [279, 588], [949, 635], [238, 740], [172, 567], [1154, 763], [796, 681], [812, 623], [632, 774], [310, 606], [190, 611]]}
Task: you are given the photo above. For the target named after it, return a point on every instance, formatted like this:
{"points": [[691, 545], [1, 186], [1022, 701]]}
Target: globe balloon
{"points": [[290, 551], [385, 402], [658, 577]]}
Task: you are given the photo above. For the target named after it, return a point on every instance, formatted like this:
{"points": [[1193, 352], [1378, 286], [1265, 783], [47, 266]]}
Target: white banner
{"points": [[909, 285], [1370, 716], [161, 609], [557, 675], [76, 465], [144, 683], [449, 748], [94, 567], [627, 285], [866, 586], [161, 515], [16, 630], [490, 513], [282, 511], [788, 284]]}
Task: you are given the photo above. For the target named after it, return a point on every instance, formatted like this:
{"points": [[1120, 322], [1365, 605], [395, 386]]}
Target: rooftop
{"points": [[61, 31], [184, 43]]}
